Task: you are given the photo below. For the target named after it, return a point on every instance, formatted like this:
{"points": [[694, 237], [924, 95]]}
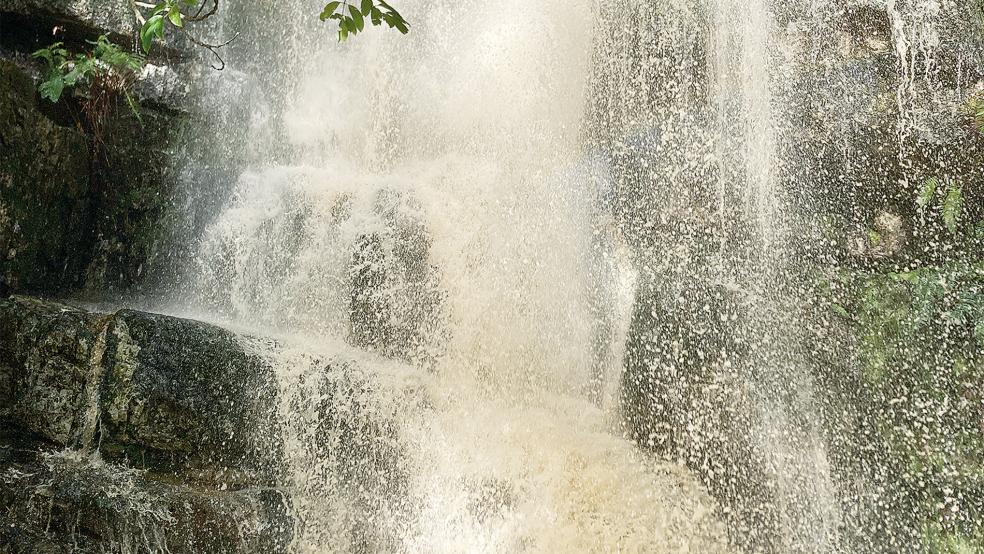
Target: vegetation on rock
{"points": [[914, 325], [102, 76], [975, 109]]}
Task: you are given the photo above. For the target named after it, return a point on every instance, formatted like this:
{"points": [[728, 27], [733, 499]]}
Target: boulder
{"points": [[135, 431], [159, 433], [62, 501], [171, 394]]}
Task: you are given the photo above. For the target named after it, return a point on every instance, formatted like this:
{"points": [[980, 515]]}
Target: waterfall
{"points": [[755, 259], [418, 221], [536, 276]]}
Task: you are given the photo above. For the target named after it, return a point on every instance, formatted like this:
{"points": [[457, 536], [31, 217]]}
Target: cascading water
{"points": [[429, 212], [492, 247]]}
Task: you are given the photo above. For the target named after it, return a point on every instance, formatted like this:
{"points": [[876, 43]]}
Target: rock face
{"points": [[73, 216], [62, 502], [45, 212], [862, 121], [175, 395], [139, 432], [134, 427], [114, 16]]}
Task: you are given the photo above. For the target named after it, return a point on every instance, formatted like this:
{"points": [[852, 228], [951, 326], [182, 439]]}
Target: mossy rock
{"points": [[45, 213], [58, 501]]}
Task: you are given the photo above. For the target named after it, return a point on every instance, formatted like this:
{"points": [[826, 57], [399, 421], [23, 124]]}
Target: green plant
{"points": [[101, 77], [974, 108], [106, 66], [952, 205], [351, 19], [920, 340], [168, 11], [178, 13]]}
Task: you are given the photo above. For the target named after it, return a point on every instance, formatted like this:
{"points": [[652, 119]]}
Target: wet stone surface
{"points": [[134, 427]]}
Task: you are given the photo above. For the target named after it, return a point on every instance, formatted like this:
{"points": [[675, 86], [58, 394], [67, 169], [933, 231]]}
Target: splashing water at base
{"points": [[410, 466]]}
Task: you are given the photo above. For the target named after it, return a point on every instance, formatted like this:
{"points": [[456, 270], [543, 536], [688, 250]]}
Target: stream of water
{"points": [[426, 223], [431, 212]]}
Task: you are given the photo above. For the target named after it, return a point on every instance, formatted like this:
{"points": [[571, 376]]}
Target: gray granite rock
{"points": [[170, 394]]}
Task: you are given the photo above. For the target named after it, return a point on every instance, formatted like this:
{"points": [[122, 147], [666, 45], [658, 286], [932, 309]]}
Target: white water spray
{"points": [[437, 210]]}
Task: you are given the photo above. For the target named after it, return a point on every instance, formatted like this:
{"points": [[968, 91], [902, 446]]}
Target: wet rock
{"points": [[45, 213], [170, 394], [161, 85], [154, 433], [139, 217], [134, 431], [114, 16], [684, 398], [183, 393], [886, 238], [62, 501], [396, 302], [47, 356], [70, 219]]}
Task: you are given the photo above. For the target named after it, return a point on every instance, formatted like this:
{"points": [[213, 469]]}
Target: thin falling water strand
{"points": [[755, 262]]}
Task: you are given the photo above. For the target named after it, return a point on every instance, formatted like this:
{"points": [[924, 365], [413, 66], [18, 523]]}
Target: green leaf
{"points": [[354, 22], [76, 74], [47, 54], [329, 9], [134, 106], [952, 208], [175, 16], [357, 19], [927, 192], [52, 88], [840, 310], [153, 27]]}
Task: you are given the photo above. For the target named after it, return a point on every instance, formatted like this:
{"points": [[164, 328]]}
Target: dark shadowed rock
{"points": [[113, 16], [44, 187]]}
